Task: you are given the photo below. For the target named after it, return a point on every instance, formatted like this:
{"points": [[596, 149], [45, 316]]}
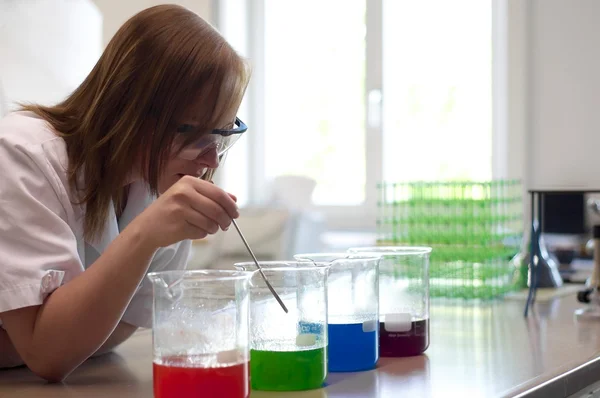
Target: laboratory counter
{"points": [[476, 351]]}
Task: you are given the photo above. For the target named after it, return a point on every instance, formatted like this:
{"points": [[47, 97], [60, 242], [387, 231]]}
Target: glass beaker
{"points": [[200, 333], [353, 309], [403, 298], [288, 351]]}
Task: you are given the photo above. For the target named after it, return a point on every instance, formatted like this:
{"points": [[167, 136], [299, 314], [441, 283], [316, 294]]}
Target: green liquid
{"points": [[288, 370]]}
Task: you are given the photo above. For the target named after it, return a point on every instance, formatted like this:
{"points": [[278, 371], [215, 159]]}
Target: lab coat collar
{"points": [[138, 198]]}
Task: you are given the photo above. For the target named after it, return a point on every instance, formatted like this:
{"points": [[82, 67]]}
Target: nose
{"points": [[210, 158]]}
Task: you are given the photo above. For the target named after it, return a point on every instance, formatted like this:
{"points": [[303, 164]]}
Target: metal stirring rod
{"points": [[207, 176], [259, 267]]}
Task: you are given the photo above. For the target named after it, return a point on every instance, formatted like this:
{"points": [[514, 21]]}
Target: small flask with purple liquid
{"points": [[403, 299]]}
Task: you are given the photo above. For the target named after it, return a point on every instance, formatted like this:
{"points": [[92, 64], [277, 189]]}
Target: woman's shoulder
{"points": [[27, 134], [32, 150], [23, 128]]}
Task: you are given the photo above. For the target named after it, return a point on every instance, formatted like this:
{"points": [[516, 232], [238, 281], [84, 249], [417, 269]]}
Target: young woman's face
{"points": [[178, 166]]}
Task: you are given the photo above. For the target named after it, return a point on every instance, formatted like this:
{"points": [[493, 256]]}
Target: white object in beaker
{"points": [[401, 322], [306, 339]]}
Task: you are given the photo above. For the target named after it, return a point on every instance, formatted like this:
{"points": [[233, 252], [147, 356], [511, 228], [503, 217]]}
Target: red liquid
{"points": [[175, 380], [404, 344]]}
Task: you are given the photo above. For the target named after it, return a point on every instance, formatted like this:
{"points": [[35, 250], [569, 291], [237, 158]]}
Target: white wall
{"points": [[564, 93], [47, 47], [116, 12]]}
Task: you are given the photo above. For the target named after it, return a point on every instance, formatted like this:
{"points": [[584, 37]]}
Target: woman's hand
{"points": [[190, 209]]}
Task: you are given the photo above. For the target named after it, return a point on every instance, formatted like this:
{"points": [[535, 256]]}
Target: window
{"points": [[351, 92], [437, 69], [314, 96]]}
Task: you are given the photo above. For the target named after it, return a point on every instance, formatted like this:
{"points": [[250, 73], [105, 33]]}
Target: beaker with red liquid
{"points": [[201, 333], [403, 299]]}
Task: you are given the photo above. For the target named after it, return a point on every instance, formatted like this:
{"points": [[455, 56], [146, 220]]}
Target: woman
{"points": [[103, 188]]}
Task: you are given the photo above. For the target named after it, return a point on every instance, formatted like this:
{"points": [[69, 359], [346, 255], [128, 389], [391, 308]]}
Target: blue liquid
{"points": [[351, 349]]}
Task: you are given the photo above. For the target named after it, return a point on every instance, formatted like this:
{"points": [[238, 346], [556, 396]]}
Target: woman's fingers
{"points": [[201, 221], [218, 196]]}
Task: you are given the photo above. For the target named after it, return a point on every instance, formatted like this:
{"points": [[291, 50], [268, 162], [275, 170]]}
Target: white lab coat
{"points": [[41, 229]]}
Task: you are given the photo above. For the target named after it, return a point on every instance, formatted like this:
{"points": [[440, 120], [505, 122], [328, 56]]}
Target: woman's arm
{"points": [[77, 319], [9, 357], [122, 332]]}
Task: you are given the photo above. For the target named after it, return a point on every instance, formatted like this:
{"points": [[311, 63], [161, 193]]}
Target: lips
{"points": [[198, 173]]}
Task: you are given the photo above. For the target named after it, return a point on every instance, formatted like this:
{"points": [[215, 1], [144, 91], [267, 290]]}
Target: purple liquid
{"points": [[404, 344]]}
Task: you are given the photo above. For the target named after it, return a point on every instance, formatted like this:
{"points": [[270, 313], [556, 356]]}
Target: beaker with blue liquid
{"points": [[353, 309]]}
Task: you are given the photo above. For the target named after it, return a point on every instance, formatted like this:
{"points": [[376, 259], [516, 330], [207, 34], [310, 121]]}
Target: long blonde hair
{"points": [[123, 116]]}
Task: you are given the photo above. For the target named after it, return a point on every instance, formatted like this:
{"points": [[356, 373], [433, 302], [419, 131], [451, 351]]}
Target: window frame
{"points": [[507, 148]]}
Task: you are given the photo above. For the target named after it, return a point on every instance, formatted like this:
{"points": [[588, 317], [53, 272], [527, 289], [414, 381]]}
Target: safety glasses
{"points": [[219, 139]]}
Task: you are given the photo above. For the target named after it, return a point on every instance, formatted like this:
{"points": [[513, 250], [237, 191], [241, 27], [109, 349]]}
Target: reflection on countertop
{"points": [[484, 350]]}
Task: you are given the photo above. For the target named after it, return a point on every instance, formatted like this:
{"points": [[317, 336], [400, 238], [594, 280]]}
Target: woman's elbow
{"points": [[49, 371]]}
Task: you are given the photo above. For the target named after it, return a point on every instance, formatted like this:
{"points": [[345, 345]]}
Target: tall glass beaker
{"points": [[200, 333], [403, 298], [353, 309], [288, 350]]}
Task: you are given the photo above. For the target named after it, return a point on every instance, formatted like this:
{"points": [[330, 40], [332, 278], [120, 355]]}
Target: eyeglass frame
{"points": [[242, 128]]}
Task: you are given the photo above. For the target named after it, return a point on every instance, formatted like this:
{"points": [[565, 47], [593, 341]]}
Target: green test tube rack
{"points": [[474, 228]]}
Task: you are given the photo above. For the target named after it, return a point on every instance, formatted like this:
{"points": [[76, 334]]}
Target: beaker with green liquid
{"points": [[288, 351]]}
